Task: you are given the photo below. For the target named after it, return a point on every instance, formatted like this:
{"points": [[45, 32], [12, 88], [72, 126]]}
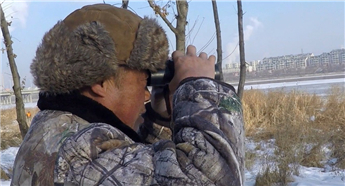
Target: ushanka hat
{"points": [[89, 45]]}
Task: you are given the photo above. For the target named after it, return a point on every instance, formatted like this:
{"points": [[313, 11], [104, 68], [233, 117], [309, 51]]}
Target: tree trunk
{"points": [[182, 9], [21, 118], [125, 4], [240, 88], [219, 39]]}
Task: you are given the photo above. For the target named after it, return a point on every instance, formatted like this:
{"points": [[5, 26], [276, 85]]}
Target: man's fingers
{"points": [[191, 50], [212, 58], [203, 55], [177, 54]]}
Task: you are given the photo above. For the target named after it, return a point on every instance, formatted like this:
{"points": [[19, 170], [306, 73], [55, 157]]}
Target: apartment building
{"points": [[284, 62], [337, 56], [235, 67], [299, 61], [334, 57]]}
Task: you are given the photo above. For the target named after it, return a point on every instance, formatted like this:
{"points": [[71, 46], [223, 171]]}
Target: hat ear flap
{"points": [[69, 60], [151, 47]]}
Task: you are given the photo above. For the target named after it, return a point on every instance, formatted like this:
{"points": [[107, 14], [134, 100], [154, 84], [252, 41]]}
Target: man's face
{"points": [[126, 100]]}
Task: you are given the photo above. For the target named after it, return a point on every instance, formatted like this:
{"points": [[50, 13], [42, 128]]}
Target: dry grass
{"points": [[273, 177], [10, 134], [301, 125], [4, 175]]}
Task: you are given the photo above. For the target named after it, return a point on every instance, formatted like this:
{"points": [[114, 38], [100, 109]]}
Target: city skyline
{"points": [[293, 61], [293, 55]]}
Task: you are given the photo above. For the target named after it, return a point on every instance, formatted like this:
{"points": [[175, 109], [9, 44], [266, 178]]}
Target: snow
{"points": [[295, 83], [312, 176], [308, 176], [7, 157]]}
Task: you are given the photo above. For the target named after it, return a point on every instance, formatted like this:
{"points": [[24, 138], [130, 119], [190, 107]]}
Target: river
{"points": [[319, 87]]}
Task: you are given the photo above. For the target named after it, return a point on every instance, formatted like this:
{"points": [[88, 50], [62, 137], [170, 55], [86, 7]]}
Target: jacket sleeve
{"points": [[207, 146]]}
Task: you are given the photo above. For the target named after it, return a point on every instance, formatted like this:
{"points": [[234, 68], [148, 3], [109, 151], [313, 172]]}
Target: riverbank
{"points": [[337, 75]]}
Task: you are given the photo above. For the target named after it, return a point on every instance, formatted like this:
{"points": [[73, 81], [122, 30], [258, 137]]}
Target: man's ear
{"points": [[99, 89]]}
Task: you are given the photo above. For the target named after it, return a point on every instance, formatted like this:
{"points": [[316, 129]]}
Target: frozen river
{"points": [[320, 87]]}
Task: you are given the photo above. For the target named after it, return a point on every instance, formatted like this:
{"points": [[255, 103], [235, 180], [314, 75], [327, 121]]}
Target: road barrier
{"points": [[29, 96]]}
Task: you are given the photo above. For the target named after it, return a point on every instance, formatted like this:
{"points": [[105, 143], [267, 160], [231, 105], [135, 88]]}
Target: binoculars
{"points": [[164, 77]]}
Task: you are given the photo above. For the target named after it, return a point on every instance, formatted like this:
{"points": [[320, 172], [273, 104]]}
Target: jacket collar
{"points": [[85, 108]]}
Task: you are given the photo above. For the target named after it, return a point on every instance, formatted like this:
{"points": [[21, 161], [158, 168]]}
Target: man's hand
{"points": [[190, 65]]}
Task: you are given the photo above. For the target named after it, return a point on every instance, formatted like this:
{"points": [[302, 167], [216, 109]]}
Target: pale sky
{"points": [[271, 28]]}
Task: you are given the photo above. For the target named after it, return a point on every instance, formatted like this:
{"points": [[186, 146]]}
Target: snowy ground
{"points": [[308, 176]]}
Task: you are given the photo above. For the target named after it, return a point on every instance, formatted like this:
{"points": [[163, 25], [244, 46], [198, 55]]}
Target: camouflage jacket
{"points": [[206, 146]]}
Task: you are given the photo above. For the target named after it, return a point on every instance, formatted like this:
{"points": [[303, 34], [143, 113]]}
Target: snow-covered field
{"points": [[308, 176]]}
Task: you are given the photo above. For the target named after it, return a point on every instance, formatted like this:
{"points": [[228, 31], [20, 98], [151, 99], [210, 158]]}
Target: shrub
{"points": [[10, 134], [301, 125]]}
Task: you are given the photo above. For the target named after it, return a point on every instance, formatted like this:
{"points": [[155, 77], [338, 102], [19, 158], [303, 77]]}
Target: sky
{"points": [[271, 28]]}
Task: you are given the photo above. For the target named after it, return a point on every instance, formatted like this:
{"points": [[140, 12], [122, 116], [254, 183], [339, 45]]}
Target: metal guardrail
{"points": [[29, 96]]}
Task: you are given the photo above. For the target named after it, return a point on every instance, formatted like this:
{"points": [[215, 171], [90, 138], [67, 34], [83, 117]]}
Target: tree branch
{"points": [[125, 4], [156, 9]]}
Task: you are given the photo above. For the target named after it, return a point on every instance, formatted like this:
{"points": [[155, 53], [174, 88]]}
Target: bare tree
{"points": [[240, 88], [181, 17], [16, 78], [219, 39], [125, 4]]}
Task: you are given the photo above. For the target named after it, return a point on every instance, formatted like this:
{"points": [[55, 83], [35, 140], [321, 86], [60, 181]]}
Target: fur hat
{"points": [[89, 45]]}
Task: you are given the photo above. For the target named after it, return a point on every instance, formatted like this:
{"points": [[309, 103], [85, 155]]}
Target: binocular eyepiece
{"points": [[164, 77]]}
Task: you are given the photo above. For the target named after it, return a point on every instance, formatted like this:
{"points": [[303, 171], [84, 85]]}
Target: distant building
{"points": [[325, 59], [232, 67], [252, 65], [284, 62], [299, 61], [337, 56], [334, 57], [314, 61]]}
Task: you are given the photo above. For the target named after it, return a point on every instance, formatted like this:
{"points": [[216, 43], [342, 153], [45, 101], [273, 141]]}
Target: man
{"points": [[92, 70]]}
